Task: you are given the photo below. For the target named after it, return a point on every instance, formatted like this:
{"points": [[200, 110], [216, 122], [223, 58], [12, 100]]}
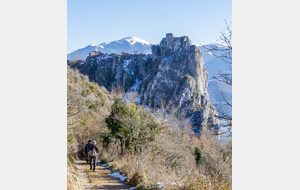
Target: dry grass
{"points": [[73, 182], [170, 158], [164, 160]]}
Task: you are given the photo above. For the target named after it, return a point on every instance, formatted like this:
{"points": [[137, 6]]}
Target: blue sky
{"points": [[97, 21]]}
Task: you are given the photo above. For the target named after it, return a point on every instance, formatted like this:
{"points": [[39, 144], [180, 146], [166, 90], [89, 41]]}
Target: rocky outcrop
{"points": [[173, 72]]}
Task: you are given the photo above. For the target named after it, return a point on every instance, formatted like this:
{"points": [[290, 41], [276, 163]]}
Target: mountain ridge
{"points": [[208, 57], [127, 44], [212, 64], [173, 72]]}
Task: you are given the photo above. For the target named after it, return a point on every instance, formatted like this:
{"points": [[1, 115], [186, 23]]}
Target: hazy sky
{"points": [[97, 21]]}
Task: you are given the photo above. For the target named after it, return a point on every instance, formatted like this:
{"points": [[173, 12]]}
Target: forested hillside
{"points": [[148, 145]]}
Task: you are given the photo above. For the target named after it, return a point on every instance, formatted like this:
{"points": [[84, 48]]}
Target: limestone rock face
{"points": [[174, 72]]}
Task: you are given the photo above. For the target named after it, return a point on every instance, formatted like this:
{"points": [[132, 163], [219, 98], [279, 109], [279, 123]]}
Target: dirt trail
{"points": [[98, 179]]}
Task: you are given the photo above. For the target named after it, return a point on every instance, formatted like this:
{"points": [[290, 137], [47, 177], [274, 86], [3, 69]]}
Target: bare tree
{"points": [[223, 51]]}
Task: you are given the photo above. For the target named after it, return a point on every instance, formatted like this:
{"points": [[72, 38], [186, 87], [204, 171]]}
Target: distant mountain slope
{"points": [[212, 63], [128, 45], [214, 87]]}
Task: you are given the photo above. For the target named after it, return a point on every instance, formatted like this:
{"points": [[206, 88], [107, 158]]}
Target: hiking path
{"points": [[100, 179]]}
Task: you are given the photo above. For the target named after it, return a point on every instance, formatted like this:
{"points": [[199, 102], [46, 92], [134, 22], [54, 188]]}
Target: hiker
{"points": [[93, 151], [86, 150]]}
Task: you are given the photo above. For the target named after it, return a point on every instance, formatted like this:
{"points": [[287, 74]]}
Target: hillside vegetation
{"points": [[147, 145]]}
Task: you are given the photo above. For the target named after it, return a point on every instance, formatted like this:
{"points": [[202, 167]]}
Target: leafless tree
{"points": [[223, 51]]}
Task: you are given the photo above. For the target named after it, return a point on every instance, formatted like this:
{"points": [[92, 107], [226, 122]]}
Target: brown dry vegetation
{"points": [[153, 145], [72, 176]]}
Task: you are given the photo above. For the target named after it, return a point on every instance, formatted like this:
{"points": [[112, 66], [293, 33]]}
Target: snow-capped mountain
{"points": [[128, 45]]}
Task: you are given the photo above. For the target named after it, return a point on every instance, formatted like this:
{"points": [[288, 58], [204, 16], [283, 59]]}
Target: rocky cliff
{"points": [[173, 72]]}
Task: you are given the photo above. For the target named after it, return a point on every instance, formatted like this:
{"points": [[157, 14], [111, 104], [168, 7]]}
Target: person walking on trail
{"points": [[86, 150], [93, 151]]}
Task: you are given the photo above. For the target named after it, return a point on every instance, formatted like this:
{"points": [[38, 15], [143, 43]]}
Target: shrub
{"points": [[75, 79], [70, 139], [105, 91], [98, 104], [104, 161], [70, 157], [132, 125], [92, 87], [86, 92], [200, 156], [137, 179]]}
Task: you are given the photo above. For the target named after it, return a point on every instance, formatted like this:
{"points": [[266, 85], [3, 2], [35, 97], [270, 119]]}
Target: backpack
{"points": [[87, 147], [92, 151]]}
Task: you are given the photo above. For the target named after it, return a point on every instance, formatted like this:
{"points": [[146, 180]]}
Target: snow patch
{"points": [[161, 185], [125, 66], [133, 40], [136, 86], [118, 175], [126, 63], [107, 56]]}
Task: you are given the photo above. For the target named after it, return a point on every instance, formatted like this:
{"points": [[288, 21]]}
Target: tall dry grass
{"points": [[73, 182], [171, 158]]}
